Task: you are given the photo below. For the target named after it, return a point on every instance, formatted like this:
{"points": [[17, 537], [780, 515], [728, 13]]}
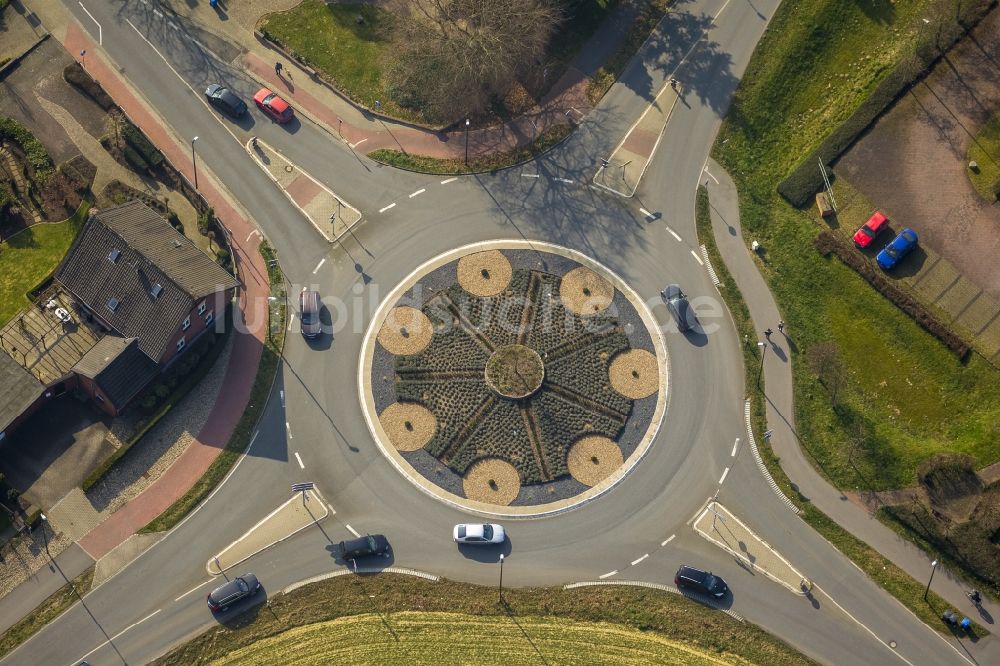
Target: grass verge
{"points": [[47, 611], [985, 151], [266, 369], [28, 257], [906, 396], [890, 577], [491, 162], [658, 614]]}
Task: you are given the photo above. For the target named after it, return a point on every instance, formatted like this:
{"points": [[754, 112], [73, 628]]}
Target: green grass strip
{"points": [[485, 163], [47, 611]]}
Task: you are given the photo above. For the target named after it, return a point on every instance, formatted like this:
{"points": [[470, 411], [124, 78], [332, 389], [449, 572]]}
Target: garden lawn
{"points": [[350, 55], [28, 257], [985, 151], [907, 397]]}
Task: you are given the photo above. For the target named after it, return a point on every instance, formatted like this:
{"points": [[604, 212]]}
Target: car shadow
{"points": [[487, 553], [696, 335], [245, 612], [366, 564], [723, 603]]}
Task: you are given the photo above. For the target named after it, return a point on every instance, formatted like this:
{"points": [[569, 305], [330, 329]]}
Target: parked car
{"points": [[225, 100], [224, 596], [900, 246], [273, 105], [370, 544], [864, 236], [679, 307], [309, 304], [478, 533], [702, 581]]}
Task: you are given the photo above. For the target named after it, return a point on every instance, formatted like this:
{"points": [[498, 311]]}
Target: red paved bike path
{"points": [[250, 322]]}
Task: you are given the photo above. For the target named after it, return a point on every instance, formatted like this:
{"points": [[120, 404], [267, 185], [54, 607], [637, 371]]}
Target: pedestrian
{"points": [[781, 326], [673, 83], [253, 142], [277, 68], [767, 334]]}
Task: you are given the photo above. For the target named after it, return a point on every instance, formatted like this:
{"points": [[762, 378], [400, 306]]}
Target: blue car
{"points": [[894, 252]]}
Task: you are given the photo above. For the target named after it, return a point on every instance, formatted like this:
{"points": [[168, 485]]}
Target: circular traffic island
{"points": [[513, 379]]}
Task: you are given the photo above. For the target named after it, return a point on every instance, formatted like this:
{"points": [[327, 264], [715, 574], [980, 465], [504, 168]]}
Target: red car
{"points": [[273, 106], [864, 236]]}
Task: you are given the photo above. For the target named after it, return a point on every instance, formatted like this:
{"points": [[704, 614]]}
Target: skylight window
{"points": [[113, 256], [113, 304], [156, 290]]}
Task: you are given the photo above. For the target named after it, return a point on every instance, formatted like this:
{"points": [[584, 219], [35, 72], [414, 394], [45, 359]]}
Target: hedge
{"points": [[77, 77], [135, 138], [133, 157], [827, 243], [800, 186], [41, 164]]}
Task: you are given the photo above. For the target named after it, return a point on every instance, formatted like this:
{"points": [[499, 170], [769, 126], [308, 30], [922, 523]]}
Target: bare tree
{"points": [[451, 56], [824, 360]]}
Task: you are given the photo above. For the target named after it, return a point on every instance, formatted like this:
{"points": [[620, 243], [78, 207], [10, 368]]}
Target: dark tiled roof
{"points": [[18, 389], [147, 252], [118, 367]]}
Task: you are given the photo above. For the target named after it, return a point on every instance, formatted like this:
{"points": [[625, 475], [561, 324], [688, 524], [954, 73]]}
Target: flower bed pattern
{"points": [[533, 433]]}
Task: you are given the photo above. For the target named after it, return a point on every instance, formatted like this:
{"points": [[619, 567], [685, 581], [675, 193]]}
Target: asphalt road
{"points": [[158, 600]]}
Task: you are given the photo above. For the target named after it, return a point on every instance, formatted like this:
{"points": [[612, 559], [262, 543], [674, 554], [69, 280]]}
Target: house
{"points": [[130, 296]]}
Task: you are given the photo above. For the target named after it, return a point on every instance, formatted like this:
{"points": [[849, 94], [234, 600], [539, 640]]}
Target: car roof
{"points": [[230, 97], [691, 572], [474, 530], [673, 291], [278, 103], [876, 220]]}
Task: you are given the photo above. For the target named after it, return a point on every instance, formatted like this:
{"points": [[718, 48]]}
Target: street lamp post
{"points": [[194, 163], [501, 578], [45, 537], [933, 569], [467, 164], [763, 350]]}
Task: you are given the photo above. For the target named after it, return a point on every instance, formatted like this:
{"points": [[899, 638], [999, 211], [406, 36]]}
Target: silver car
{"points": [[478, 533]]}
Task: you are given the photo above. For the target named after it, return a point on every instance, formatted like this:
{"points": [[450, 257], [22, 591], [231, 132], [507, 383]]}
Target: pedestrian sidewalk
{"points": [[717, 524], [622, 171], [565, 103], [328, 213], [780, 417]]}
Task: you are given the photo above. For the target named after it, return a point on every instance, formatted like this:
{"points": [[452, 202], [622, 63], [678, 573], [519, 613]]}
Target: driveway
{"points": [[55, 450]]}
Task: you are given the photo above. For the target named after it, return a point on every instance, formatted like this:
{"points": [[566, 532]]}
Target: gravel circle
{"points": [[405, 331], [484, 273], [593, 459], [584, 292], [635, 374], [409, 425], [476, 482], [515, 371]]}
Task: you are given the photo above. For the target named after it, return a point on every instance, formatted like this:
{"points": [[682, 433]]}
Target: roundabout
{"points": [[513, 379]]}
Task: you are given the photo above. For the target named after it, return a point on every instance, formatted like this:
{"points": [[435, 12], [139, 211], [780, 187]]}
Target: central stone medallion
{"points": [[515, 371]]}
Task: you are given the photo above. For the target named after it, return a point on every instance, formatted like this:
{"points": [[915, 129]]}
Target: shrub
{"points": [[38, 158], [148, 401], [77, 77], [827, 243], [800, 186], [161, 390], [138, 140], [133, 157]]}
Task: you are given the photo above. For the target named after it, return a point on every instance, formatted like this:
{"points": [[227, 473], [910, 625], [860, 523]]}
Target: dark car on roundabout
{"points": [[680, 309], [701, 581], [370, 544], [239, 588]]}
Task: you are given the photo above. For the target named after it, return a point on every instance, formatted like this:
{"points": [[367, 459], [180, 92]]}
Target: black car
{"points": [[703, 581], [225, 100], [370, 544], [224, 596], [679, 307]]}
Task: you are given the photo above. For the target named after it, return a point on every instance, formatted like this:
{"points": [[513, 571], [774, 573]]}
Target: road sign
{"points": [[302, 487]]}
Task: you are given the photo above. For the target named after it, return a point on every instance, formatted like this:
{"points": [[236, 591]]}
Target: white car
{"points": [[489, 533]]}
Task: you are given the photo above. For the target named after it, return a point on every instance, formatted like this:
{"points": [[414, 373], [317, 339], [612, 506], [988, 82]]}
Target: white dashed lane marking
{"points": [[697, 258], [299, 458], [735, 445], [418, 192], [529, 175], [564, 180], [351, 530], [635, 562], [674, 234], [319, 265], [448, 180], [392, 205], [724, 476], [647, 213], [288, 429], [608, 575], [669, 539]]}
